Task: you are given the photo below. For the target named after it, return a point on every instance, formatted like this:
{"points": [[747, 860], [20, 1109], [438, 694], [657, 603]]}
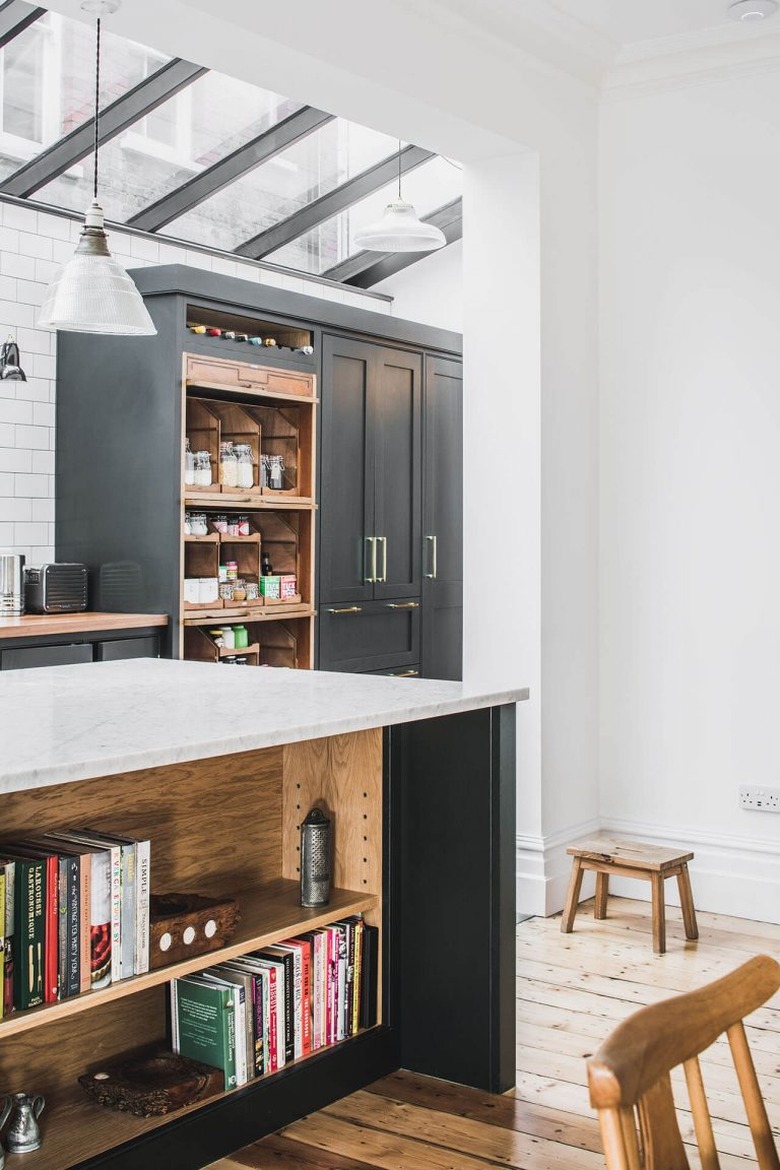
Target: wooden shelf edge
{"points": [[250, 503], [260, 613], [277, 905], [252, 391]]}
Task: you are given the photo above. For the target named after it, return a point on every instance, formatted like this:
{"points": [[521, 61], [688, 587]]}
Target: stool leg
{"points": [[686, 902], [602, 890], [572, 897], [659, 913]]}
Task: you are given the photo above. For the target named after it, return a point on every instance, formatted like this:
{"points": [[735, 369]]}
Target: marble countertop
{"points": [[68, 723]]}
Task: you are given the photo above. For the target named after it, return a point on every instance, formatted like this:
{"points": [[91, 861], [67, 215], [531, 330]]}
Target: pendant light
{"points": [[399, 229], [92, 293]]}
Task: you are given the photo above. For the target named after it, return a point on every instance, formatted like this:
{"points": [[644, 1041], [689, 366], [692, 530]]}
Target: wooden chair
{"points": [[629, 1077]]}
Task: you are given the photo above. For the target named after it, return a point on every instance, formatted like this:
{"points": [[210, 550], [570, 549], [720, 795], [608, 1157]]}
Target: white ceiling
{"points": [[625, 22]]}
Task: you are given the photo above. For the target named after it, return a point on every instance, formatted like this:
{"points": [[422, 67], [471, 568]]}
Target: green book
{"points": [[29, 930], [203, 1023]]}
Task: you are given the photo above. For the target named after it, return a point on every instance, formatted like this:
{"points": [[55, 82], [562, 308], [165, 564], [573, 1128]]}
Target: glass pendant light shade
{"points": [[399, 230], [92, 293]]}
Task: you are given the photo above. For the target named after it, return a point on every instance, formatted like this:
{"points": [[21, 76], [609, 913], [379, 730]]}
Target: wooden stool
{"points": [[634, 859]]}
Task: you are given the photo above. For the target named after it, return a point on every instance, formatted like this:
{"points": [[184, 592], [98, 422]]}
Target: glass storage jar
{"points": [[228, 465], [202, 469], [246, 471]]}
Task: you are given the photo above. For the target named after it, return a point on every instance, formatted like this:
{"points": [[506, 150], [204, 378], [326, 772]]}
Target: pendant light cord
{"points": [[399, 170], [97, 108]]}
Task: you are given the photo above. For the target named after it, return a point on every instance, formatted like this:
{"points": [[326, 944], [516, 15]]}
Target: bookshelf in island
{"points": [[217, 769]]}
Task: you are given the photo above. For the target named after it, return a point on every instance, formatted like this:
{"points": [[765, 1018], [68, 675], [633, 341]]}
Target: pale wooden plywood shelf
{"points": [[256, 392], [254, 613], [268, 915], [251, 501]]}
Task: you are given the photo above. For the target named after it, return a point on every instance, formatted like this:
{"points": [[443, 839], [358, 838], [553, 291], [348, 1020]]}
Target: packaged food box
{"points": [[270, 587], [288, 586]]}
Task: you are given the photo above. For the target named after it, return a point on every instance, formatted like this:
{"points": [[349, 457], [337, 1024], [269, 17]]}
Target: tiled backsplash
{"points": [[32, 247]]}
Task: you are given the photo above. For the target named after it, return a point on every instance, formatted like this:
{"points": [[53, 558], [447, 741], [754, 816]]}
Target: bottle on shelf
{"points": [[266, 565]]}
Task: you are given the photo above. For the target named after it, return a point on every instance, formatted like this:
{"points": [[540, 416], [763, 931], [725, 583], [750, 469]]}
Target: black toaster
{"points": [[57, 588]]}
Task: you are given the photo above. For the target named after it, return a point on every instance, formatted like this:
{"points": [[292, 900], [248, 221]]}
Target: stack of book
{"points": [[74, 914], [251, 1015]]}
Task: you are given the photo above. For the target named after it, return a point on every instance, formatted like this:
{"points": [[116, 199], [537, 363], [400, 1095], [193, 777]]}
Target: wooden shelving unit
{"points": [[217, 826], [273, 412]]}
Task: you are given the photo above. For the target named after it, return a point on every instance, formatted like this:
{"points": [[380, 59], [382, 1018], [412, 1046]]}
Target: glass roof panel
{"points": [[310, 168], [428, 187], [47, 83], [185, 134]]}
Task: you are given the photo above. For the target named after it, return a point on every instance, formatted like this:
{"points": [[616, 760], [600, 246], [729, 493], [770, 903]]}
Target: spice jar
{"points": [[220, 522], [246, 471], [228, 638], [226, 590], [252, 590], [187, 525], [198, 524], [241, 635], [231, 528], [275, 473], [228, 465], [243, 525], [231, 568], [239, 590], [216, 637], [202, 469], [189, 465]]}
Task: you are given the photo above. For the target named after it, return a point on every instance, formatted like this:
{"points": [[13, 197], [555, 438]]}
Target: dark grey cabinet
{"points": [[370, 494], [442, 590], [370, 635], [23, 657]]}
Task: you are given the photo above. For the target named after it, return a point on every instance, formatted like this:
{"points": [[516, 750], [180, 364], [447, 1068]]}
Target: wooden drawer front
{"points": [[244, 376], [374, 635]]}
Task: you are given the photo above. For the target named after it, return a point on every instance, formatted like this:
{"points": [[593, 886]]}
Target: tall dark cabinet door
{"points": [[347, 489], [442, 592], [397, 402]]}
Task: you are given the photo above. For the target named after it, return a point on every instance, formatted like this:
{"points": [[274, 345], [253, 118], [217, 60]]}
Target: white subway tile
{"points": [[7, 433], [61, 251], [7, 535], [15, 412], [43, 511], [12, 459], [198, 259], [8, 388], [46, 270], [31, 292], [14, 314], [6, 483], [16, 216], [43, 461], [33, 390], [34, 341], [145, 249], [170, 254], [36, 438], [34, 486], [40, 554], [35, 245], [44, 366], [56, 227], [28, 533], [223, 266], [15, 507], [12, 264], [9, 288], [9, 239], [44, 414]]}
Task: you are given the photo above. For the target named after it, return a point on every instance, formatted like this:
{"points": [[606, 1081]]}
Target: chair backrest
{"points": [[630, 1083]]}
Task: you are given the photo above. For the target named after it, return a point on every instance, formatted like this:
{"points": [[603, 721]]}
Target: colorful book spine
{"points": [[28, 939], [73, 932], [7, 989], [204, 1023], [142, 915], [2, 936]]}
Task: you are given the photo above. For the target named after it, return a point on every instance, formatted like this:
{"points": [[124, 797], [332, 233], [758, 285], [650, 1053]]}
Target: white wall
{"points": [[430, 290], [690, 475], [32, 246]]}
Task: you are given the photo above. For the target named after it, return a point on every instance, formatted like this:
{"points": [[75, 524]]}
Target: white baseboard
{"points": [[730, 875]]}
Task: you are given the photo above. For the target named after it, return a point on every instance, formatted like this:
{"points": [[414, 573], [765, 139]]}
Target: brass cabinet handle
{"points": [[403, 605], [348, 609], [383, 541], [371, 540], [406, 674], [434, 568]]}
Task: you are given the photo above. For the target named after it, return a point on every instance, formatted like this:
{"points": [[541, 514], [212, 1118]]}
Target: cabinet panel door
{"points": [[28, 656], [442, 592], [347, 493], [375, 636], [119, 649], [397, 402]]}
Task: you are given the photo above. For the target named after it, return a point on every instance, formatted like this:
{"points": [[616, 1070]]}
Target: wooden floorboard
{"points": [[571, 992]]}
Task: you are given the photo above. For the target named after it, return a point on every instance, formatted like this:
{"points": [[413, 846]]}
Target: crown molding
{"points": [[694, 61]]}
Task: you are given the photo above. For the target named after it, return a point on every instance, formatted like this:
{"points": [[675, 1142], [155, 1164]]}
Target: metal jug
{"points": [[6, 1104], [23, 1132]]}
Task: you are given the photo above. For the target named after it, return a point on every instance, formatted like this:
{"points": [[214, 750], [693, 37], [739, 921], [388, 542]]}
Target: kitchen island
{"points": [[218, 767]]}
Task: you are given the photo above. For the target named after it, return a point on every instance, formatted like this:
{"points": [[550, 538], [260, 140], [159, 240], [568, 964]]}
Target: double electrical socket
{"points": [[759, 799]]}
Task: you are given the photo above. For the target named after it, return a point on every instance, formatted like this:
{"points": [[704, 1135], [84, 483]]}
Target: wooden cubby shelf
{"points": [[268, 915]]}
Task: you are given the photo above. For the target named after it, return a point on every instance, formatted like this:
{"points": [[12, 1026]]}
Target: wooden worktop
{"points": [[34, 625]]}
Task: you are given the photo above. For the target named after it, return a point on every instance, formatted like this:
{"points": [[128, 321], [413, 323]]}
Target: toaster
{"points": [[56, 588]]}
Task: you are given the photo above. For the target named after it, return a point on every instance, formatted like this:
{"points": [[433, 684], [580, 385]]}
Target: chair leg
{"points": [[572, 897], [602, 891], [686, 902], [659, 913]]}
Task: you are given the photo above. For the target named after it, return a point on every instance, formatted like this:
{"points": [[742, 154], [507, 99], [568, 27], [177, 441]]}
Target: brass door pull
{"points": [[348, 609], [403, 605]]}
